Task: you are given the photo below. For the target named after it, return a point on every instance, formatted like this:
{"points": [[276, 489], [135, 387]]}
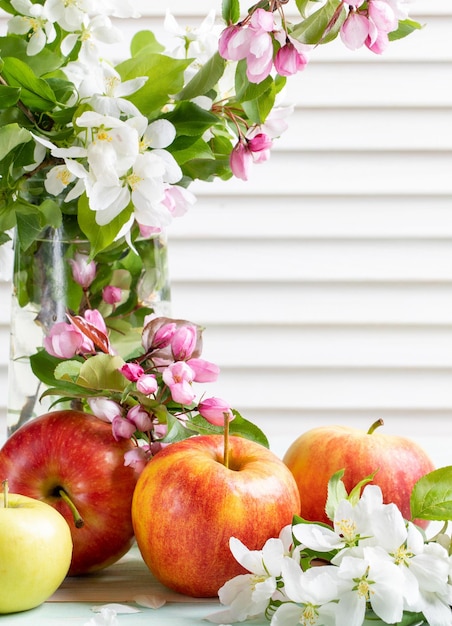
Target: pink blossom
{"points": [[111, 294], [132, 371], [205, 371], [137, 458], [289, 60], [147, 384], [383, 16], [233, 44], [140, 418], [240, 160], [83, 270], [378, 44], [105, 409], [183, 342], [178, 200], [178, 377], [355, 30], [163, 336], [63, 341], [122, 428], [94, 317], [214, 411], [148, 231]]}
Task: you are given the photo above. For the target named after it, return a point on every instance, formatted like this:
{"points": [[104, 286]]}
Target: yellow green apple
{"points": [[35, 552], [320, 452], [188, 503]]}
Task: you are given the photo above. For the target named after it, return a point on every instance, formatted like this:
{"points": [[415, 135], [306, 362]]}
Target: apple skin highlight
{"points": [[320, 452], [187, 505], [77, 452]]}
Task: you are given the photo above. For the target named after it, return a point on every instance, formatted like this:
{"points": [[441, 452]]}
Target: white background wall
{"points": [[325, 282]]}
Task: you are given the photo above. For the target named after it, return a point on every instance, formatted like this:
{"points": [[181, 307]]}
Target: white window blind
{"points": [[325, 282]]}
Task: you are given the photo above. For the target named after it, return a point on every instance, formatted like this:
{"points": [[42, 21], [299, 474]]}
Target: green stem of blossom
{"points": [[375, 425], [226, 440], [78, 520], [5, 493]]}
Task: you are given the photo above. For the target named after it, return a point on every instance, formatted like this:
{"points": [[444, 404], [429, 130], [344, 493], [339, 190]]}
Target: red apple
{"points": [[320, 452], [76, 453], [187, 504]]}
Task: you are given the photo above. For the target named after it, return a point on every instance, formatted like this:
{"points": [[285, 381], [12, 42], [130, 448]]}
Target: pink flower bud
{"points": [[63, 340], [259, 142], [122, 428], [184, 342], [214, 411], [240, 160], [289, 60], [137, 458], [95, 318], [83, 271], [111, 295], [105, 409], [163, 336], [132, 371], [147, 384], [205, 371], [140, 418]]}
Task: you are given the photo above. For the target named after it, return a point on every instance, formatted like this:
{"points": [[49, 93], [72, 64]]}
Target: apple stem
{"points": [[5, 493], [78, 519], [226, 440], [375, 425]]}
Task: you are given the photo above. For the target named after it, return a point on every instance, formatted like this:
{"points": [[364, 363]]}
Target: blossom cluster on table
{"points": [[370, 564]]}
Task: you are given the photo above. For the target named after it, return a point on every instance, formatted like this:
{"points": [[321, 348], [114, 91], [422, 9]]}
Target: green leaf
{"points": [[11, 136], [28, 228], [230, 10], [239, 427], [405, 28], [258, 109], [190, 119], [205, 79], [8, 96], [100, 372], [100, 237], [192, 150], [302, 6], [176, 432], [431, 497], [322, 25], [166, 76], [68, 370], [145, 40], [35, 92], [335, 493], [43, 366]]}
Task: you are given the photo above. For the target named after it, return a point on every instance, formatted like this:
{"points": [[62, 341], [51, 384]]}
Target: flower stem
{"points": [[226, 440], [5, 493], [78, 519], [375, 425]]}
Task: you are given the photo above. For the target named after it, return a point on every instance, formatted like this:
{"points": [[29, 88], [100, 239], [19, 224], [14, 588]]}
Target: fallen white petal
{"points": [[222, 618], [151, 601]]}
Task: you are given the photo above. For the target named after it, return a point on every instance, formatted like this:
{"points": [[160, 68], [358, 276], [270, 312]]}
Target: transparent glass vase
{"points": [[45, 291]]}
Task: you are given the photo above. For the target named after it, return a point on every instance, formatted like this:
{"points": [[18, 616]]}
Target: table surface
{"points": [[128, 579]]}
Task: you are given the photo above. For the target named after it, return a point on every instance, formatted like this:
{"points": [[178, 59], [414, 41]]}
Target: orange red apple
{"points": [[75, 453], [320, 452], [187, 504]]}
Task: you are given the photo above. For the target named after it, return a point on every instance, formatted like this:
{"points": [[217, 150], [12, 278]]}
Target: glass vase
{"points": [[46, 287]]}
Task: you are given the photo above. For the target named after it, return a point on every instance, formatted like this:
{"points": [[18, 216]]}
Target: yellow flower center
{"points": [[104, 135], [134, 180], [347, 529], [65, 176], [402, 556], [309, 616], [111, 83]]}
